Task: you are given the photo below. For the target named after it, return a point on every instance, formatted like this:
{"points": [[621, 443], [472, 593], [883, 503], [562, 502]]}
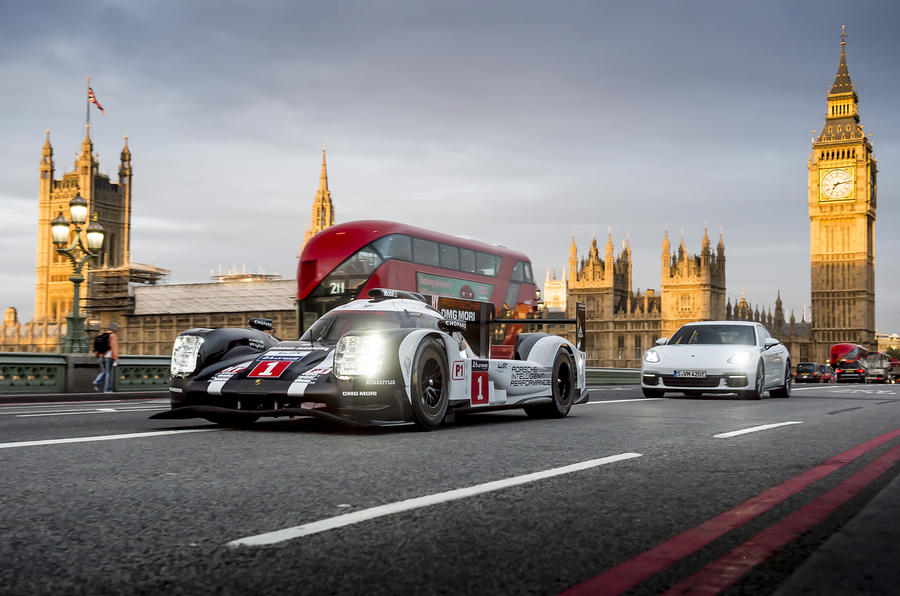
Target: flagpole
{"points": [[87, 103]]}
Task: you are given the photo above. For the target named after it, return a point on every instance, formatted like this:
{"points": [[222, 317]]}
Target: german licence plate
{"points": [[690, 374]]}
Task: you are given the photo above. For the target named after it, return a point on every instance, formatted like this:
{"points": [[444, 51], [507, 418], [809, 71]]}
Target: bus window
{"points": [[528, 278], [467, 260], [518, 272], [512, 295], [449, 256], [487, 264], [350, 275], [425, 252], [394, 246], [363, 262]]}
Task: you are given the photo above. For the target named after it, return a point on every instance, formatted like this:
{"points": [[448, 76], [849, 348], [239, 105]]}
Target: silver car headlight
{"points": [[359, 356], [184, 354], [652, 356], [742, 357]]}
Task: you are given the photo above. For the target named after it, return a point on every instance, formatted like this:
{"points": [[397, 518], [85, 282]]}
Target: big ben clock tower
{"points": [[842, 202]]}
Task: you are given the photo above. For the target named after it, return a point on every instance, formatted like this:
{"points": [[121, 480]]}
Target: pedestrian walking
{"points": [[106, 347]]}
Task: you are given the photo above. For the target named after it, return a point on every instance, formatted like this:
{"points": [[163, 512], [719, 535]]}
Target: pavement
{"points": [[846, 563], [31, 398]]}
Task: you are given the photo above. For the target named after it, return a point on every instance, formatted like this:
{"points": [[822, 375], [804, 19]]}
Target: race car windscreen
{"points": [[741, 335], [334, 325]]}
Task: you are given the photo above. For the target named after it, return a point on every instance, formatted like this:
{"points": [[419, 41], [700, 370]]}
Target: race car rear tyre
{"points": [[758, 388], [562, 388], [785, 390], [233, 420], [429, 385]]}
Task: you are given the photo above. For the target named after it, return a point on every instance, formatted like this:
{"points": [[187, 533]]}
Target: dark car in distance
{"points": [[825, 374], [807, 372]]}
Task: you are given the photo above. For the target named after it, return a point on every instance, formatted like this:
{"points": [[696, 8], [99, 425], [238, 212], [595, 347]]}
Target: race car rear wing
{"points": [[479, 316]]}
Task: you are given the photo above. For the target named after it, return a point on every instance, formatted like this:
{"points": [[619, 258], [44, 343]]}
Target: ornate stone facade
{"points": [[108, 279], [622, 324]]}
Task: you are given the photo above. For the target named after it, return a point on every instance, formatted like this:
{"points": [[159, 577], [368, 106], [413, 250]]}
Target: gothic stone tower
{"points": [[842, 201], [322, 209], [110, 201], [692, 287], [604, 286]]}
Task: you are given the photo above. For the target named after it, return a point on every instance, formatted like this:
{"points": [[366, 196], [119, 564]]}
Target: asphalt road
{"points": [[626, 494]]}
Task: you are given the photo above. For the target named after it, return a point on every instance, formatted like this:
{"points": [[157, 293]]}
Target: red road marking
{"points": [[723, 572], [632, 572]]}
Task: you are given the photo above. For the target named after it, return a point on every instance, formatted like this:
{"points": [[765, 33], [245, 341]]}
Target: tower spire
{"points": [[842, 82], [323, 177]]}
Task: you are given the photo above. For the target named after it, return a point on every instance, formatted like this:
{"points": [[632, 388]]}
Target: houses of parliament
{"points": [[622, 323]]}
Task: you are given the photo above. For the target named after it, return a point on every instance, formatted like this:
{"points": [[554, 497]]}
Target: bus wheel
{"points": [[562, 389], [428, 386]]}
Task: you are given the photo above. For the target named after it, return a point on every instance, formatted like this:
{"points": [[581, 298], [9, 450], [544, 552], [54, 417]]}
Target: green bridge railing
{"points": [[72, 373]]}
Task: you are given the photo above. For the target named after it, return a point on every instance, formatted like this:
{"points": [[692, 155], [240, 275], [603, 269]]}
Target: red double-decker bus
{"points": [[345, 261], [849, 362]]}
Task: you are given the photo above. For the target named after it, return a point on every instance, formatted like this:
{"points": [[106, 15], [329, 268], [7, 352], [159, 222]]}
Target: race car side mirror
{"points": [[770, 342], [661, 341], [261, 324], [451, 325]]}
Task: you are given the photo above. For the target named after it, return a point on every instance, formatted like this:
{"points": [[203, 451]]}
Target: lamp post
{"points": [[78, 254]]}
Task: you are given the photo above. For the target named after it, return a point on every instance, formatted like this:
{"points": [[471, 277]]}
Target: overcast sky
{"points": [[520, 123]]}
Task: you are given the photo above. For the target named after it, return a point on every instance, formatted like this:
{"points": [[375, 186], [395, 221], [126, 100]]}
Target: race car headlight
{"points": [[742, 357], [359, 356], [651, 356], [184, 354]]}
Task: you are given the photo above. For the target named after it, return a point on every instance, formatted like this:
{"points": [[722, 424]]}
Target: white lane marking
{"points": [[356, 517], [619, 401], [100, 411], [105, 438], [754, 429]]}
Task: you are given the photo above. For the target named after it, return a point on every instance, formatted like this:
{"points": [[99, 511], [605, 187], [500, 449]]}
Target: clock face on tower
{"points": [[837, 184]]}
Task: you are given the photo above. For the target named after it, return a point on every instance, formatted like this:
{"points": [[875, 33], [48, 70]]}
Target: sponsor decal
{"points": [[381, 382], [226, 373], [256, 344], [502, 365], [359, 393], [525, 376], [269, 369], [452, 314], [260, 323], [480, 394], [307, 378], [459, 370], [291, 355], [456, 324]]}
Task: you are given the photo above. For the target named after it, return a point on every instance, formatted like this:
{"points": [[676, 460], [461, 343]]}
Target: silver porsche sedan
{"points": [[718, 357]]}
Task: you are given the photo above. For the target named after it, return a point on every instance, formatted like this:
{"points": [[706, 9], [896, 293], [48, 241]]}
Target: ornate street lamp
{"points": [[78, 254]]}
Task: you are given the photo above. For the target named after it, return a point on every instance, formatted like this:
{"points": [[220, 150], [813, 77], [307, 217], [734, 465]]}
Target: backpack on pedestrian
{"points": [[101, 343]]}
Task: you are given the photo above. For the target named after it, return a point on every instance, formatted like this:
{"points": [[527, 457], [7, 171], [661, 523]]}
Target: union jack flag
{"points": [[93, 99]]}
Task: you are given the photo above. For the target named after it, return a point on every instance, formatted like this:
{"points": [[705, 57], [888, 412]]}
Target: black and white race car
{"points": [[396, 357]]}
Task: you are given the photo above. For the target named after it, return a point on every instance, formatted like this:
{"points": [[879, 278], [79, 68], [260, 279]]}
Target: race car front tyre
{"points": [[233, 420], [562, 386], [428, 387]]}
